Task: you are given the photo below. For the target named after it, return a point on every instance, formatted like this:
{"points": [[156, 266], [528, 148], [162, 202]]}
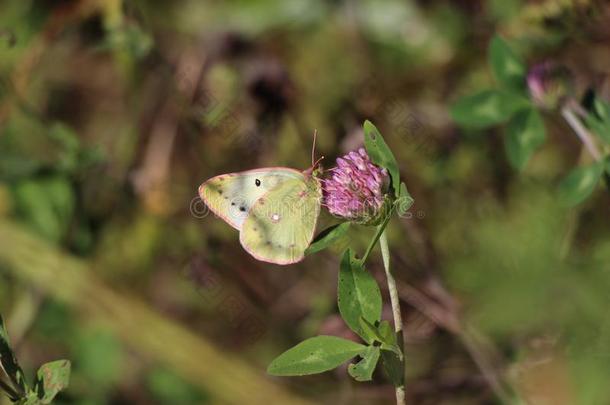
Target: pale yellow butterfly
{"points": [[275, 209]]}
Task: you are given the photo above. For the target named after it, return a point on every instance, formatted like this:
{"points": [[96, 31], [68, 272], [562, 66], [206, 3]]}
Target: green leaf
{"points": [[405, 201], [369, 330], [599, 120], [524, 134], [383, 334], [358, 295], [328, 237], [391, 352], [380, 153], [315, 355], [363, 370], [393, 367], [51, 379], [9, 361], [602, 108], [30, 399], [508, 69], [580, 183], [487, 108], [387, 333], [600, 128], [46, 204]]}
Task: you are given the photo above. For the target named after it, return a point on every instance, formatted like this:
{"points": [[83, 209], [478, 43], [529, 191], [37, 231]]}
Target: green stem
{"points": [[379, 232], [395, 301], [570, 113], [583, 134]]}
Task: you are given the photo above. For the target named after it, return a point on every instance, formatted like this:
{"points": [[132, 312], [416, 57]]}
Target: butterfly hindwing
{"points": [[231, 196], [281, 223]]}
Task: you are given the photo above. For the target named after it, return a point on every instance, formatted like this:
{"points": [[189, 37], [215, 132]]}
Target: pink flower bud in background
{"points": [[549, 84]]}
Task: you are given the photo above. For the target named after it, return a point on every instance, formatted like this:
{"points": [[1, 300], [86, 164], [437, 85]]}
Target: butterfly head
{"points": [[316, 168]]}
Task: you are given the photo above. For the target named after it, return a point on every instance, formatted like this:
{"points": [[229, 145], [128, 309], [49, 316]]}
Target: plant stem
{"points": [[570, 111], [380, 230], [585, 136], [395, 300]]}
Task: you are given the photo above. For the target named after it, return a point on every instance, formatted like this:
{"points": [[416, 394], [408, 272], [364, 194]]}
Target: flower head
{"points": [[549, 84], [357, 188]]}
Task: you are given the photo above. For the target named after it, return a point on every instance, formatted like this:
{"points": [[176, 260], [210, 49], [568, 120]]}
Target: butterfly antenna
{"points": [[313, 148], [314, 164]]}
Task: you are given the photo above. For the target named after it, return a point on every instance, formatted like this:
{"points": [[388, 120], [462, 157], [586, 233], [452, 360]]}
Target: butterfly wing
{"points": [[231, 196], [281, 224]]}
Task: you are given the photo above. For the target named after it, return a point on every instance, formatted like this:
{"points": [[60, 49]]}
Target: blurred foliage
{"points": [[112, 113]]}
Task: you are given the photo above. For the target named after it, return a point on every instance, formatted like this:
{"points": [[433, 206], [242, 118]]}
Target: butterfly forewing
{"points": [[231, 196]]}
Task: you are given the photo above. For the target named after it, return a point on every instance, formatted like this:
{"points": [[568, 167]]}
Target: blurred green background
{"points": [[113, 112]]}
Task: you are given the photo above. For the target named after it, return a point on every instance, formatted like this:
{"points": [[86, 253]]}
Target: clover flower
{"points": [[356, 189], [549, 84]]}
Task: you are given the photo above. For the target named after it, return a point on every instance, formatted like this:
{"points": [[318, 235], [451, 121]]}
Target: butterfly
{"points": [[275, 209]]}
